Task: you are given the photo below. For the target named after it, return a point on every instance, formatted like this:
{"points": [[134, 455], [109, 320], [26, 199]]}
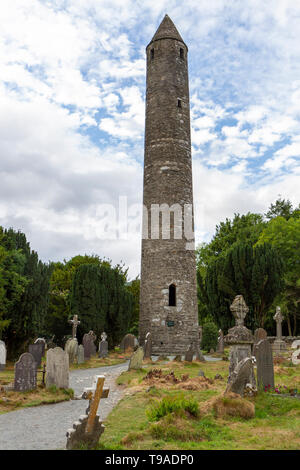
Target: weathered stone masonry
{"points": [[168, 180]]}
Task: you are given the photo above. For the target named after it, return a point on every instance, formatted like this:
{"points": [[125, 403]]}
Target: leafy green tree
{"points": [[282, 208], [283, 233], [24, 290]]}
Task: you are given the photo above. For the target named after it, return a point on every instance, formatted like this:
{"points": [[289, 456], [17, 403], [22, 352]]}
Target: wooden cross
{"points": [[75, 322], [94, 394]]}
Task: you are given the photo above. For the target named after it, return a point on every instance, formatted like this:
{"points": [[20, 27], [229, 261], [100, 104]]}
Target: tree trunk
{"points": [[295, 324]]}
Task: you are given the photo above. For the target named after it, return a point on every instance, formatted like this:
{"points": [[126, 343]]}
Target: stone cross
{"points": [[239, 310], [278, 317], [88, 429], [94, 394], [75, 322], [103, 336]]}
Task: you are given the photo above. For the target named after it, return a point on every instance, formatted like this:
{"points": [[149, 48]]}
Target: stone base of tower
{"points": [[172, 338]]}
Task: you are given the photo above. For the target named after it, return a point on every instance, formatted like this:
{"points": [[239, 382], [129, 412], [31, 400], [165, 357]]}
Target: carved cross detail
{"points": [[239, 310], [75, 322]]}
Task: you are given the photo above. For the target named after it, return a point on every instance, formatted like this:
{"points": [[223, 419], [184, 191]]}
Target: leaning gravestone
{"points": [[148, 346], [36, 350], [25, 373], [57, 368], [41, 341], [264, 363], [103, 346], [71, 347], [136, 359], [2, 355], [259, 334], [241, 377], [80, 354], [189, 354], [128, 343], [89, 345], [296, 357]]}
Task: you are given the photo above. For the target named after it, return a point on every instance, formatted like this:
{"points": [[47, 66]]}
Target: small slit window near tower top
{"points": [[181, 53], [179, 103], [152, 54]]}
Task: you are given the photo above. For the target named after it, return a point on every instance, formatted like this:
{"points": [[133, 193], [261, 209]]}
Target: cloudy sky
{"points": [[72, 107]]}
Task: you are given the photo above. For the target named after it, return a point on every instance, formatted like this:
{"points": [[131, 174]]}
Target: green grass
{"points": [[154, 416]]}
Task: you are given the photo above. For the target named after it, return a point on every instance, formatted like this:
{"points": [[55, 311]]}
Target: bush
{"points": [[209, 336], [169, 405]]}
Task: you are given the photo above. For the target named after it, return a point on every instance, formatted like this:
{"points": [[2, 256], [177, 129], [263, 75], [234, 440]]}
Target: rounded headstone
{"points": [[296, 357], [57, 368], [25, 373]]}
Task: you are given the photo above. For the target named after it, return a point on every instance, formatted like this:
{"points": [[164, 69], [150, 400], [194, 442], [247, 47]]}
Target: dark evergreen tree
{"points": [[100, 299], [256, 273], [26, 285]]}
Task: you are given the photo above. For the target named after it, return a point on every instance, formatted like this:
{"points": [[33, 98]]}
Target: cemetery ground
{"points": [[11, 400], [169, 411]]}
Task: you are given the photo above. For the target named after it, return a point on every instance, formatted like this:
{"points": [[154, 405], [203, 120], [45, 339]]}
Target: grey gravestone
{"points": [[189, 354], [199, 355], [36, 350], [148, 346], [220, 346], [241, 377], [89, 345], [239, 338], [259, 334], [2, 355], [264, 364], [41, 341], [71, 347], [25, 373], [296, 357], [103, 346], [128, 342], [136, 359], [57, 368], [295, 344], [278, 345], [80, 354]]}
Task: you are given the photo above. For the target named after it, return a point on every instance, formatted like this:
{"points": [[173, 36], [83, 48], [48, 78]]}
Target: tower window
{"points": [[152, 54], [181, 53], [179, 103], [172, 295]]}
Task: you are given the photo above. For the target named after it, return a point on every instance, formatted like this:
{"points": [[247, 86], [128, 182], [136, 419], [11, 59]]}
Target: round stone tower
{"points": [[168, 298]]}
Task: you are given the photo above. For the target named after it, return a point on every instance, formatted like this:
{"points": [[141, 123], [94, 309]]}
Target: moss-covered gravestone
{"points": [[136, 359]]}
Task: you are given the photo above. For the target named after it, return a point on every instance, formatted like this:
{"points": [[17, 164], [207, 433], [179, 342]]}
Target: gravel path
{"points": [[44, 427]]}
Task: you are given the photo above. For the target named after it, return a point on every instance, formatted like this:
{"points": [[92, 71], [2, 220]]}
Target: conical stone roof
{"points": [[167, 30]]}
